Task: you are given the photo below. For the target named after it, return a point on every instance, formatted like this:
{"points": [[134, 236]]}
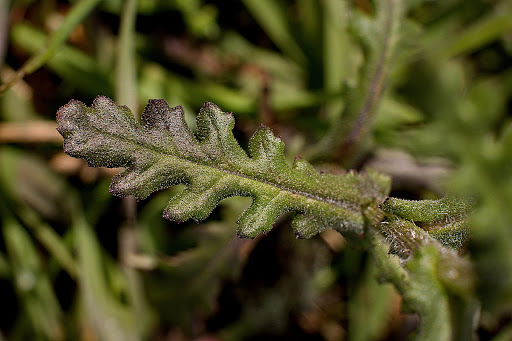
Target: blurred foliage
{"points": [[77, 263]]}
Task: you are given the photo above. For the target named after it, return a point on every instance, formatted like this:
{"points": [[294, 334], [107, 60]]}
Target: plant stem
{"points": [[75, 16], [339, 142], [126, 78]]}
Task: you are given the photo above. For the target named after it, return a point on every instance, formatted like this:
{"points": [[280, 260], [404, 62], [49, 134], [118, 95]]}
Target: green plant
{"points": [[162, 151], [417, 90]]}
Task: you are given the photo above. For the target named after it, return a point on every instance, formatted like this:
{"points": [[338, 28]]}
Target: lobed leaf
{"points": [[162, 151]]}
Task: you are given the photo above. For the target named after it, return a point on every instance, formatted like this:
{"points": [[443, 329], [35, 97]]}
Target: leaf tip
{"points": [[211, 107], [65, 116], [102, 102]]}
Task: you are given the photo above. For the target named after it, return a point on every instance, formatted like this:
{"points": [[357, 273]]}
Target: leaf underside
{"points": [[162, 151]]}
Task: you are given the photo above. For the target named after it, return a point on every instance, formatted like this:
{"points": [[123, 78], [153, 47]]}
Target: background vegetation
{"points": [[419, 90]]}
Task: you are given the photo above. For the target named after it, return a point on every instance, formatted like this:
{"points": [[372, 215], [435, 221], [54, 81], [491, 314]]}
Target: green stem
{"points": [[378, 77], [434, 281], [75, 16], [126, 94], [421, 291], [338, 141], [126, 78]]}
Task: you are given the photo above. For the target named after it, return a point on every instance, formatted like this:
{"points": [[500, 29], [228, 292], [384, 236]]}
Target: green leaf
{"points": [[427, 210], [273, 19], [444, 219], [163, 151], [38, 301]]}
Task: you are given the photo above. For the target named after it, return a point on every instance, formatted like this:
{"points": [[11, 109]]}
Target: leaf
{"points": [[273, 19], [163, 151], [444, 219], [37, 299]]}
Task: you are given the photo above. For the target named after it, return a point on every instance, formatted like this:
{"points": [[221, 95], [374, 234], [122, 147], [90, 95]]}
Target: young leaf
{"points": [[444, 219], [163, 151]]}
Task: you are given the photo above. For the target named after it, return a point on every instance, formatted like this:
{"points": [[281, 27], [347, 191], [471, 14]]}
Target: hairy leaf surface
{"points": [[444, 219], [162, 151]]}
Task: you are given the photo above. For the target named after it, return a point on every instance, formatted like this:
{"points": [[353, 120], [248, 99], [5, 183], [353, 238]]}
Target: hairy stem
{"points": [[339, 141], [376, 84]]}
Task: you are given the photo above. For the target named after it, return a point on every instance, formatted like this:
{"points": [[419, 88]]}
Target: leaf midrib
{"points": [[337, 203]]}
